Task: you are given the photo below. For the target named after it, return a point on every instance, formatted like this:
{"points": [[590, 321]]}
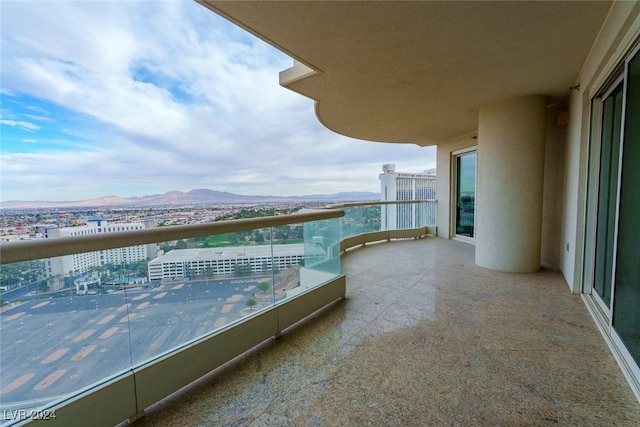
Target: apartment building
{"points": [[81, 263]]}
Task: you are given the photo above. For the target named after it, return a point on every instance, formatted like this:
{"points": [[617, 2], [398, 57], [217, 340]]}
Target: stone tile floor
{"points": [[424, 337]]}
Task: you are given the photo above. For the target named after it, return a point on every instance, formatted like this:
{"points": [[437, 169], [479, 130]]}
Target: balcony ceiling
{"points": [[417, 72]]}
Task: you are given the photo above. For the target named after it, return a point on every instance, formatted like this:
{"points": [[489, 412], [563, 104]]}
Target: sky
{"points": [[131, 98]]}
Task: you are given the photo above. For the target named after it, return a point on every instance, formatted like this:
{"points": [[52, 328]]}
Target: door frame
{"points": [[454, 196]]}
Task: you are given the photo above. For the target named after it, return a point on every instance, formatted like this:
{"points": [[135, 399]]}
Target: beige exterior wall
{"points": [[616, 38], [566, 152], [511, 141], [553, 191], [444, 180], [555, 145]]}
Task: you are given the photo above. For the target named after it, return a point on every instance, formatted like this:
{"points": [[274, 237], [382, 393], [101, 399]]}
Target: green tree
{"points": [[251, 303], [264, 286], [242, 269]]}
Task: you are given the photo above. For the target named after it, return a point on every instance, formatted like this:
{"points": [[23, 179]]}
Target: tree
{"points": [[208, 272], [251, 303], [264, 286], [242, 269]]}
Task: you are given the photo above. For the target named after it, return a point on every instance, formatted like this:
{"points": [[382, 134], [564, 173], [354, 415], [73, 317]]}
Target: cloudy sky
{"points": [[130, 98]]}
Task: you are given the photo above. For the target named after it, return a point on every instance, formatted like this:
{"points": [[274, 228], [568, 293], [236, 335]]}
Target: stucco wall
{"points": [[444, 180], [553, 192], [620, 31]]}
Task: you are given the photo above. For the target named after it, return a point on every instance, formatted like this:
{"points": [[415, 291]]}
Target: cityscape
{"points": [[82, 271]]}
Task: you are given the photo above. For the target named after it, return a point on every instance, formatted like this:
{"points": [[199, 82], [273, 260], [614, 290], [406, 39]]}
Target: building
{"points": [[79, 264], [226, 261], [536, 126], [397, 186], [406, 186]]}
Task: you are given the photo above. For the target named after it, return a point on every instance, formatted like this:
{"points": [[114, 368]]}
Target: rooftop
{"points": [[233, 252]]}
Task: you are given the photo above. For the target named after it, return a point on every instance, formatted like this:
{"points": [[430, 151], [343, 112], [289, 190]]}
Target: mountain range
{"points": [[193, 197]]}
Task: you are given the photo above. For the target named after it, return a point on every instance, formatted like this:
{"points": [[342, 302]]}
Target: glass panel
{"points": [[353, 222], [63, 327], [607, 194], [626, 315], [426, 214], [392, 216], [71, 322], [465, 194], [405, 216], [371, 219], [321, 253]]}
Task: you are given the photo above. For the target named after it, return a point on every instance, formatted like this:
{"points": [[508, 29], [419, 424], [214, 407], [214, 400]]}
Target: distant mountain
{"points": [[193, 197]]}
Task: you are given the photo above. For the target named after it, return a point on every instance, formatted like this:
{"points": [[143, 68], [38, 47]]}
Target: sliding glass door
{"points": [[626, 305], [612, 258], [607, 194], [464, 164]]}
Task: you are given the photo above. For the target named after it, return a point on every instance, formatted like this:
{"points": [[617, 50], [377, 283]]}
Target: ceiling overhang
{"points": [[418, 71]]}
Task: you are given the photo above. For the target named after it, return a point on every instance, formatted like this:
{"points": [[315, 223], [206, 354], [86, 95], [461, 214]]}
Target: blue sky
{"points": [[130, 98]]}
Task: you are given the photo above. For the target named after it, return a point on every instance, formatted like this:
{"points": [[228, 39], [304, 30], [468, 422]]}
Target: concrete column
{"points": [[511, 136]]}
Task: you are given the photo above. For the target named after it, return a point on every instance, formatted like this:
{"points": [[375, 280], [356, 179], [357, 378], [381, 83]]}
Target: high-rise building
{"points": [[79, 264], [404, 186]]}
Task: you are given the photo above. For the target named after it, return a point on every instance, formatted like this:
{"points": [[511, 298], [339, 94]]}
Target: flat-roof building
{"points": [[224, 261]]}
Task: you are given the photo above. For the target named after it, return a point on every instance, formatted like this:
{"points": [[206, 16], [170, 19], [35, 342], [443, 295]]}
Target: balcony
{"points": [[423, 337]]}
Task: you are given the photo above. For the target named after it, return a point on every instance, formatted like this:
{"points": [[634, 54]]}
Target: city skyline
{"points": [[134, 98]]}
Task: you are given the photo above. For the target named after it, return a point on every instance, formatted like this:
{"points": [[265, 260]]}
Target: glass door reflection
{"points": [[465, 165]]}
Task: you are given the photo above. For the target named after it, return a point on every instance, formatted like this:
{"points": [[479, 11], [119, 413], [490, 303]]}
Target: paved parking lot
{"points": [[55, 346]]}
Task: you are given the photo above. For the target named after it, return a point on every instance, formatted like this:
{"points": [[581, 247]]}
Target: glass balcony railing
{"points": [[373, 221], [86, 318], [99, 327]]}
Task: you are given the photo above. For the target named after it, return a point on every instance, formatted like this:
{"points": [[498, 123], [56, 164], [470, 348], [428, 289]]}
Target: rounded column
{"points": [[511, 136]]}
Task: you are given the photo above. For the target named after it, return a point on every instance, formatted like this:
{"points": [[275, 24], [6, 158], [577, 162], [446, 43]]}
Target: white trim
{"points": [[627, 363], [616, 346], [626, 48], [593, 186], [606, 311]]}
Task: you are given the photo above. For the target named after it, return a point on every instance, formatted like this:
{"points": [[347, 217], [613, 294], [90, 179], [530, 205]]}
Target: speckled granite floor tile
{"points": [[424, 337]]}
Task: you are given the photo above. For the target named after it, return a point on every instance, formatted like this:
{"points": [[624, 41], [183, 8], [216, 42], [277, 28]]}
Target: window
{"points": [[464, 197]]}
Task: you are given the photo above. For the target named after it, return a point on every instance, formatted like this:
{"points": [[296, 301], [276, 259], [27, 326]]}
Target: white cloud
{"points": [[20, 124], [185, 100]]}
